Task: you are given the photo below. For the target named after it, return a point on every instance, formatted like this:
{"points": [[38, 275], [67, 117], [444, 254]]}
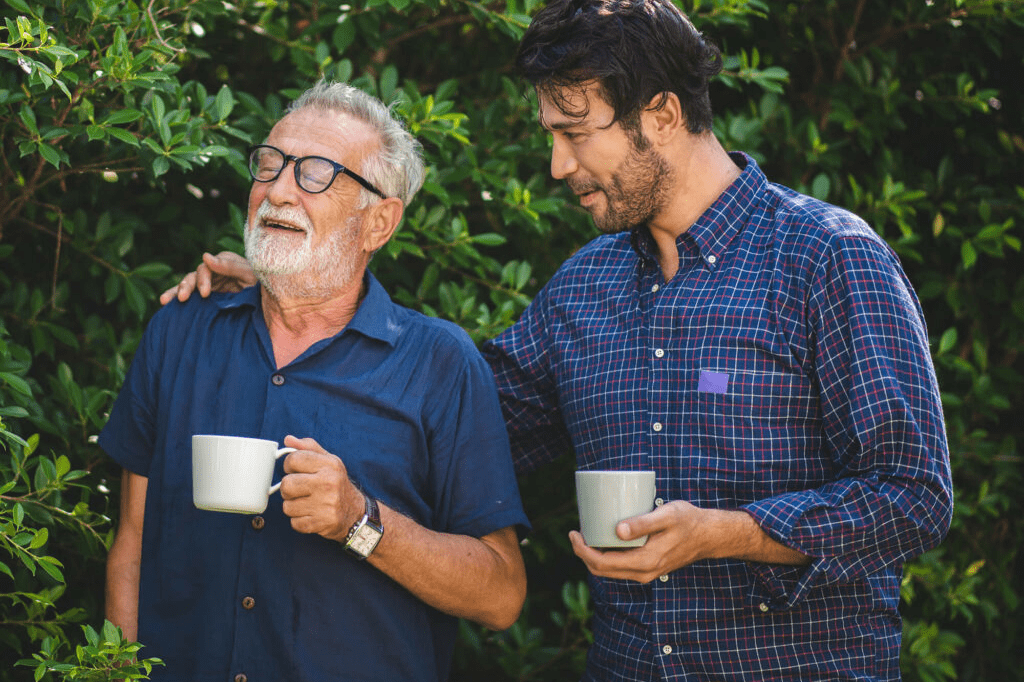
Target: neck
{"points": [[297, 322], [701, 172]]}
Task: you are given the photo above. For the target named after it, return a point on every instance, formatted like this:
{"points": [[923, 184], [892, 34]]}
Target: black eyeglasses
{"points": [[313, 174]]}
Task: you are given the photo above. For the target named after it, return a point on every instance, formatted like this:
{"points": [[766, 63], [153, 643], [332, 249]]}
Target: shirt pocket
{"points": [[758, 434]]}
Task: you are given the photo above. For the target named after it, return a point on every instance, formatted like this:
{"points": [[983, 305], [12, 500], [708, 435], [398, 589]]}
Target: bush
{"points": [[124, 127]]}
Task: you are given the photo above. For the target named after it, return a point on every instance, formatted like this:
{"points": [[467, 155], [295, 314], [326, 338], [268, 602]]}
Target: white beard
{"points": [[302, 271]]}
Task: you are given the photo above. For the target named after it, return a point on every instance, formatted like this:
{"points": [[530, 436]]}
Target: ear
{"points": [[381, 222], [662, 125]]}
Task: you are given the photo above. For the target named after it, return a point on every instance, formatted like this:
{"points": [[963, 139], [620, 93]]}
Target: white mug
{"points": [[607, 497], [232, 473]]}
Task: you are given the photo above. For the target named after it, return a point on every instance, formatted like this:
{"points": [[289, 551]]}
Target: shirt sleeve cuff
{"points": [[778, 587]]}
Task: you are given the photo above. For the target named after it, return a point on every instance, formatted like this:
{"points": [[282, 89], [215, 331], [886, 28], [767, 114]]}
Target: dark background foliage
{"points": [[123, 126]]}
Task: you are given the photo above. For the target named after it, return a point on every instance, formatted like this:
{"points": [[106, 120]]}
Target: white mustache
{"points": [[283, 214]]}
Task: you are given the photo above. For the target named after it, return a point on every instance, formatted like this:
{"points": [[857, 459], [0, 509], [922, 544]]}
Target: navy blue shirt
{"points": [[408, 404], [784, 370]]}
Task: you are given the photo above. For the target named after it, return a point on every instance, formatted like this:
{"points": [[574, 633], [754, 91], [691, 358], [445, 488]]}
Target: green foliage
{"points": [[106, 655], [123, 128]]}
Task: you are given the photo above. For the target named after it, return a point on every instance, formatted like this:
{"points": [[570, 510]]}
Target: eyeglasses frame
{"points": [[338, 168]]}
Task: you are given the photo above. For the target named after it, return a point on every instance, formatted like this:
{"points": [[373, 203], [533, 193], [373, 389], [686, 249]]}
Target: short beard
{"points": [[638, 189], [304, 271]]}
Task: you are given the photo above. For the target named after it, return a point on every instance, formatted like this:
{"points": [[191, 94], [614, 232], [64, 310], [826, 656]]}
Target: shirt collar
{"points": [[719, 224], [375, 318]]}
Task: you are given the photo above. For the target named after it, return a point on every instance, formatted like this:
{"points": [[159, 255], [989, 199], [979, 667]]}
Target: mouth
{"points": [[274, 224], [589, 197]]}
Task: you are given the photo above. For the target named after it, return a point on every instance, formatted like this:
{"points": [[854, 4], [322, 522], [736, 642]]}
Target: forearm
{"points": [[740, 537], [122, 588], [480, 579], [125, 558]]}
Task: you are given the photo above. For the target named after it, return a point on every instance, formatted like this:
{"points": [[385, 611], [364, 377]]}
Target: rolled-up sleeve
{"points": [[883, 427]]}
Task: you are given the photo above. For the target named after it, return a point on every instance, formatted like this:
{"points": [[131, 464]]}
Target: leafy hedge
{"points": [[123, 126]]}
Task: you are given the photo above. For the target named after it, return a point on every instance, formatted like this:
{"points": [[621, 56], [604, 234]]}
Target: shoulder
{"points": [[812, 234], [174, 323], [599, 262], [434, 346], [804, 218]]}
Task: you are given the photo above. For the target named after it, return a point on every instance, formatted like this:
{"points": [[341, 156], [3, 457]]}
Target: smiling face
{"points": [[304, 244], [620, 179]]}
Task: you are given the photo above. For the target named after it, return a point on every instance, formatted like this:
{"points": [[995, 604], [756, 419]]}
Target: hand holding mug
{"points": [[318, 495]]}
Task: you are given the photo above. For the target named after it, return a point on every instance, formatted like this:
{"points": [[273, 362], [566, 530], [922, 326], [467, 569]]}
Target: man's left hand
{"points": [[677, 536], [680, 534], [318, 495]]}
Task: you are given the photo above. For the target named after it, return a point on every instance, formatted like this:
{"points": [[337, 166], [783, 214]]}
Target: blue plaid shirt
{"points": [[784, 370]]}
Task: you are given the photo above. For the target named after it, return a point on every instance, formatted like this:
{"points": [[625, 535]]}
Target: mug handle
{"points": [[282, 451]]}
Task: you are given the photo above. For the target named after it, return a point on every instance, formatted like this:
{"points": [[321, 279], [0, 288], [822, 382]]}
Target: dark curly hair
{"points": [[634, 49]]}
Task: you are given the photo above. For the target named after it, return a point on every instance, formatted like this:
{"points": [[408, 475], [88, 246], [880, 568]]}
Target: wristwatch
{"points": [[366, 532]]}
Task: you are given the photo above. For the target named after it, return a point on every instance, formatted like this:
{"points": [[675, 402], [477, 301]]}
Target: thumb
{"points": [[635, 527]]}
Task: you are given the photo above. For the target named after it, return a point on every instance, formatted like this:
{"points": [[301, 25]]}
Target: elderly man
{"points": [[403, 440]]}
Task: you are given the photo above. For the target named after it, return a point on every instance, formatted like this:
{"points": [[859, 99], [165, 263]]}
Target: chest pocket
{"points": [[758, 434]]}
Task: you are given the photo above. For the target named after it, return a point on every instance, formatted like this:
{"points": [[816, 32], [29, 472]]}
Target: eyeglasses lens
{"points": [[265, 164]]}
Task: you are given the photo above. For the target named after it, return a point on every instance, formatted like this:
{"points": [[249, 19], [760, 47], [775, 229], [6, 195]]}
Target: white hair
{"points": [[397, 168]]}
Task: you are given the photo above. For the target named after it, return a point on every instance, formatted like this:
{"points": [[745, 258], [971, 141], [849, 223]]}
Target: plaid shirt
{"points": [[784, 370]]}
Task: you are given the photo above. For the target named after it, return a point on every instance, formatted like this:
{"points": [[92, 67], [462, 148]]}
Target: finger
{"points": [[185, 286], [204, 279], [304, 444], [624, 564], [169, 295], [232, 266], [296, 486]]}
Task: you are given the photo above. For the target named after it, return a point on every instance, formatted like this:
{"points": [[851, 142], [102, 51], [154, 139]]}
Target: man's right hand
{"points": [[227, 271]]}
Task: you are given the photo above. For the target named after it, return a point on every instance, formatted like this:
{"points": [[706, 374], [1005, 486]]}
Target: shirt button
{"points": [[258, 522], [658, 502], [241, 678], [659, 353], [663, 578], [763, 607], [248, 603], [667, 648], [655, 288], [712, 259], [277, 380], [656, 426]]}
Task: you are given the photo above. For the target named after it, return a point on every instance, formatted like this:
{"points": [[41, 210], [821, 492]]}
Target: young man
{"points": [[405, 447], [762, 351]]}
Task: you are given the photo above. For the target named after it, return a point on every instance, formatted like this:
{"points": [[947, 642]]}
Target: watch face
{"points": [[364, 540]]}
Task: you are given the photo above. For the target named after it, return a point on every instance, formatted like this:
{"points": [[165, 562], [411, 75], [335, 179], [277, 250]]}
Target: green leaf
{"points": [[224, 103], [152, 271], [16, 383], [489, 239], [50, 154], [968, 255], [122, 116], [123, 136], [42, 535], [52, 567], [160, 165]]}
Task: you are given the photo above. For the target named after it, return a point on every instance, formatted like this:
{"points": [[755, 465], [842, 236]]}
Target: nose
{"points": [[563, 163], [283, 190]]}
